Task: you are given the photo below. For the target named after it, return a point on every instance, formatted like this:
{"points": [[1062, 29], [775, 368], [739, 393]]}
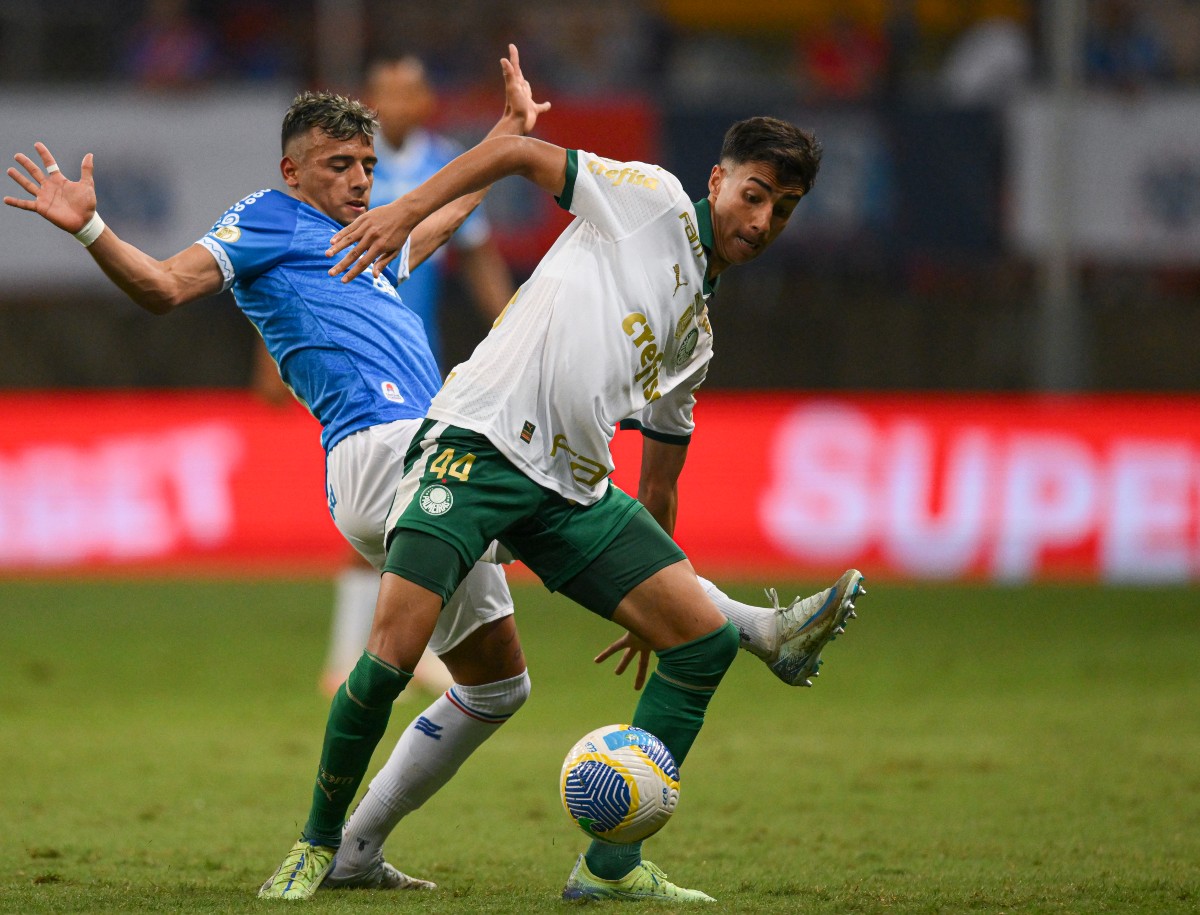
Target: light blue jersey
{"points": [[353, 353], [397, 172]]}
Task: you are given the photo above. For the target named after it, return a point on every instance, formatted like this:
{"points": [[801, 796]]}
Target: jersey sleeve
{"points": [[618, 198], [253, 235], [669, 418], [400, 264]]}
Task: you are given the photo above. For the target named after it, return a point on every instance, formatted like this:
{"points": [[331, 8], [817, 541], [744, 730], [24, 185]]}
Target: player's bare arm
{"points": [[520, 115], [157, 286], [375, 238], [658, 485]]}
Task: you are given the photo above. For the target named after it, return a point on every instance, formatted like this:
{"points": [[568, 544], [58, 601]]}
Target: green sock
{"points": [[358, 716], [672, 709]]}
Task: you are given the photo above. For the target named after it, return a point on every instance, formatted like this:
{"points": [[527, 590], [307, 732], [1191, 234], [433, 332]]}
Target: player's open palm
{"points": [[518, 94], [67, 204]]}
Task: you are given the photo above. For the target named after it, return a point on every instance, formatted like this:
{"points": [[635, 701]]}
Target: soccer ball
{"points": [[619, 784]]}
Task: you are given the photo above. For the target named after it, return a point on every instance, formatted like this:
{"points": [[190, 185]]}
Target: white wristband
{"points": [[91, 230]]}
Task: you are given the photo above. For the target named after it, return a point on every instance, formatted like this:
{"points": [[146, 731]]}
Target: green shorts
{"points": [[460, 491]]}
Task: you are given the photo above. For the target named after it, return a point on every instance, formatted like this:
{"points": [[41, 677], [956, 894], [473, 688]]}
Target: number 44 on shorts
{"points": [[446, 465]]}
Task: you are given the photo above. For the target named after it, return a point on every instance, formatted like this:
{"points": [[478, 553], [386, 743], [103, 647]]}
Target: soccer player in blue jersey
{"points": [[359, 359]]}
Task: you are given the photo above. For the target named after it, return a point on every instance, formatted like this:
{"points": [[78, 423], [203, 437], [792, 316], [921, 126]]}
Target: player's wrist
{"points": [[91, 230]]}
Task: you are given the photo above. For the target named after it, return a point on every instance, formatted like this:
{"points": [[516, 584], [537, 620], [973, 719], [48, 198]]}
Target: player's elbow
{"points": [[537, 161], [158, 301], [159, 298], [177, 283]]}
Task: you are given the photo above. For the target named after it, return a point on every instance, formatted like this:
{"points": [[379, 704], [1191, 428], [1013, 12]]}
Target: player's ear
{"points": [[290, 171], [715, 177]]}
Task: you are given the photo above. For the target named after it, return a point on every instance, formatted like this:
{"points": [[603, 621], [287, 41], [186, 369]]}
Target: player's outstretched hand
{"points": [[66, 204], [518, 94], [632, 647]]}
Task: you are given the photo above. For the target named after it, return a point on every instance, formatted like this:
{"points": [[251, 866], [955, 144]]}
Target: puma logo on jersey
{"points": [[679, 280]]}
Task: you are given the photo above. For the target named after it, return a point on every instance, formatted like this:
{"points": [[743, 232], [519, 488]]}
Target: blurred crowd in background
{"points": [[910, 300], [820, 50]]}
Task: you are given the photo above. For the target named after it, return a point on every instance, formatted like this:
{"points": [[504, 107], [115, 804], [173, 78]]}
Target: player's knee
{"points": [[702, 662], [374, 683], [726, 643], [497, 701]]}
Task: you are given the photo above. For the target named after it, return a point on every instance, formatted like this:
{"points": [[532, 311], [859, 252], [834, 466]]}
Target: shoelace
{"points": [[299, 861]]}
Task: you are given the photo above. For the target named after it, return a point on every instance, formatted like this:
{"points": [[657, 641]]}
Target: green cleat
{"points": [[300, 873], [645, 881]]}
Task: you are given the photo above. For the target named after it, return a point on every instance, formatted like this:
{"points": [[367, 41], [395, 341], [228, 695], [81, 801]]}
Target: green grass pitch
{"points": [[966, 749]]}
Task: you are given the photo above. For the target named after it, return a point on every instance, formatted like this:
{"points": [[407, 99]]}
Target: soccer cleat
{"points": [[379, 875], [805, 626], [645, 881], [300, 873]]}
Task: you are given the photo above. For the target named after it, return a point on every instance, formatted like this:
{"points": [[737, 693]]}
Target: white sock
{"points": [[756, 624], [429, 752], [354, 597]]}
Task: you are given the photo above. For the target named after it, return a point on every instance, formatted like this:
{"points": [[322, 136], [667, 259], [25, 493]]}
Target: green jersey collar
{"points": [[704, 227]]}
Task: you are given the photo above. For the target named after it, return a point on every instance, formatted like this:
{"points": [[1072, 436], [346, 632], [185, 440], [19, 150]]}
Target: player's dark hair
{"points": [[337, 116], [385, 61], [794, 153]]}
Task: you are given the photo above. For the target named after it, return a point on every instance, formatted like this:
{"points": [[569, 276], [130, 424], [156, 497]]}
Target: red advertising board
{"points": [[171, 481], [1005, 488]]}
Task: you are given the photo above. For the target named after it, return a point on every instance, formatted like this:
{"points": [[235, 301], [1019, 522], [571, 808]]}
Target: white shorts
{"points": [[362, 473]]}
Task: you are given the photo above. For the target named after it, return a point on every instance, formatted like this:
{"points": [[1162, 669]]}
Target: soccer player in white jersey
{"points": [[612, 326], [268, 246]]}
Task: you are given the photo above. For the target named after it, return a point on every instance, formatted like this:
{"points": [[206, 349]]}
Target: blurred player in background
{"points": [[409, 153]]}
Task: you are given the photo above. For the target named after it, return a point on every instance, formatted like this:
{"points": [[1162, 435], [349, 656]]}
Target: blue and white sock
{"points": [[429, 752]]}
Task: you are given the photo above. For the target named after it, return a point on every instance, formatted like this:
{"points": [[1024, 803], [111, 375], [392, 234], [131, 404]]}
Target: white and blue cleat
{"points": [[805, 626]]}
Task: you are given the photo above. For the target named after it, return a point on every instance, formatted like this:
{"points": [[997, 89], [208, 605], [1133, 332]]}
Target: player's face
{"points": [[401, 97], [334, 176], [749, 210]]}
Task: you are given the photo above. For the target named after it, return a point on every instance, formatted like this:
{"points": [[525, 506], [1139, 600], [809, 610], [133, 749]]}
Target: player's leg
{"points": [[790, 639], [405, 616], [638, 577], [430, 553], [694, 645], [362, 474], [477, 636], [355, 590]]}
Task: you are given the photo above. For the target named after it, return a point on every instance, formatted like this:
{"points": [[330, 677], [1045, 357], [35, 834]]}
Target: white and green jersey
{"points": [[612, 325]]}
